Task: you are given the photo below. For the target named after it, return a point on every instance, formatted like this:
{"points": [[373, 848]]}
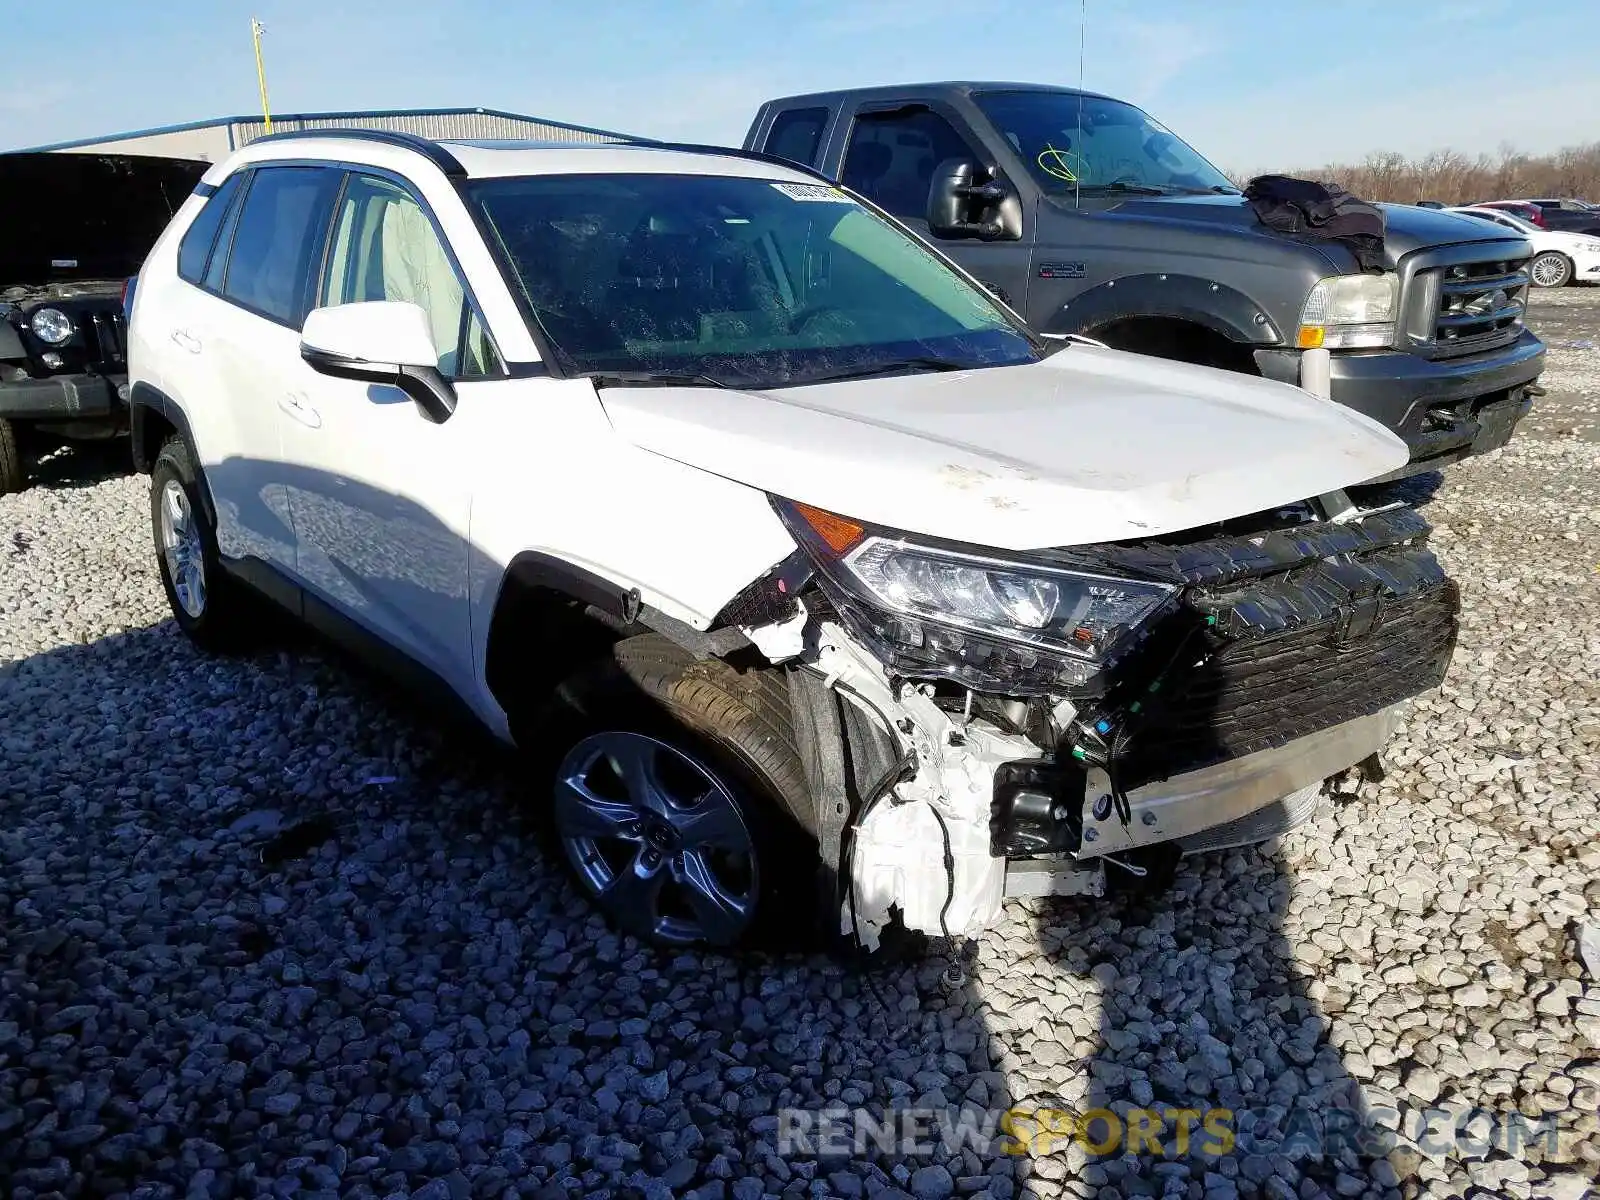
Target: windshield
{"points": [[747, 282], [1088, 144]]}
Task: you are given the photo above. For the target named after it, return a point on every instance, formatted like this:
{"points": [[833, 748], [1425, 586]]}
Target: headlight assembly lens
{"points": [[51, 325], [1348, 311], [1080, 615]]}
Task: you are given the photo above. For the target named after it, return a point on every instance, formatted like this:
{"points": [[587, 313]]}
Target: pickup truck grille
{"points": [[1470, 307]]}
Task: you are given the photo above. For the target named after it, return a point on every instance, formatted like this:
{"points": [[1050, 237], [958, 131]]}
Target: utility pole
{"points": [[256, 30]]}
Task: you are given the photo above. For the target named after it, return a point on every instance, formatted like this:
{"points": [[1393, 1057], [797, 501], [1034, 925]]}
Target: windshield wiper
{"points": [[1122, 185], [652, 379], [899, 364]]}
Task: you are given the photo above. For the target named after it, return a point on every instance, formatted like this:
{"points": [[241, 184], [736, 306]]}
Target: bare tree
{"points": [[1451, 177]]}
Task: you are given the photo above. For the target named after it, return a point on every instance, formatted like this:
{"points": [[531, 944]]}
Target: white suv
{"points": [[818, 585]]}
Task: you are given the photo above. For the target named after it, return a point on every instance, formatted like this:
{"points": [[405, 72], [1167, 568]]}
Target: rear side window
{"points": [[195, 248], [892, 157], [277, 246], [796, 134]]}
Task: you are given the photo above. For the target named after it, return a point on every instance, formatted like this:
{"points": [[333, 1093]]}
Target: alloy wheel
{"points": [[183, 550], [1548, 270], [657, 839]]}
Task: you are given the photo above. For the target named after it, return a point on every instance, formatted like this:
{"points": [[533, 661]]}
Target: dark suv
{"points": [[1088, 216], [77, 226]]}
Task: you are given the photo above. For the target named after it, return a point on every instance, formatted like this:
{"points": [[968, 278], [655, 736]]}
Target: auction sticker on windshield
{"points": [[812, 191]]}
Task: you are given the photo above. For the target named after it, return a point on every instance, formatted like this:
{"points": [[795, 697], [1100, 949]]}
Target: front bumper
{"points": [[1218, 801], [1444, 409], [62, 397]]}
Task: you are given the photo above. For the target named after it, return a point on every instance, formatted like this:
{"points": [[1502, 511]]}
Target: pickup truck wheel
{"points": [[216, 612], [679, 800], [13, 478], [1552, 269]]}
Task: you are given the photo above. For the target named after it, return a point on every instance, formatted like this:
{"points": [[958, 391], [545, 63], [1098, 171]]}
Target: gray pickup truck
{"points": [[1088, 216]]}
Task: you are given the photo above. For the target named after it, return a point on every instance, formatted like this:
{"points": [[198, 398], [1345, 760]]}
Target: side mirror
{"points": [[963, 205], [380, 341]]}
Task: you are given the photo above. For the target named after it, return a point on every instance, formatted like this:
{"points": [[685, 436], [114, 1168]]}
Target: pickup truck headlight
{"points": [[1349, 311], [991, 623], [51, 326]]}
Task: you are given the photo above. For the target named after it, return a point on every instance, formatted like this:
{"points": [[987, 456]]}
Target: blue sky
{"points": [[1254, 84]]}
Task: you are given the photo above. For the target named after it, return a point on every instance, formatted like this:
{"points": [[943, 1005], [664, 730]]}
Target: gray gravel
{"points": [[263, 932]]}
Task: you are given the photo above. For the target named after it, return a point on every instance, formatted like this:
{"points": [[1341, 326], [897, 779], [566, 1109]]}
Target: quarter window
{"points": [[892, 157], [195, 248], [796, 134], [386, 248], [279, 240]]}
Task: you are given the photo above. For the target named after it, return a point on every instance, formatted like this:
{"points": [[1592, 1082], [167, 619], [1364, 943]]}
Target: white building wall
{"points": [[208, 143]]}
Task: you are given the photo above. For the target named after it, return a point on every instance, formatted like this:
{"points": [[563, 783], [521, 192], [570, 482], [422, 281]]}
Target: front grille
{"points": [[1283, 633], [105, 336], [1254, 693], [1473, 306]]}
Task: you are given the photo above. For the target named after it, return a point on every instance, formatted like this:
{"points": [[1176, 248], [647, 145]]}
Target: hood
{"points": [[1089, 445], [1408, 228], [86, 216]]}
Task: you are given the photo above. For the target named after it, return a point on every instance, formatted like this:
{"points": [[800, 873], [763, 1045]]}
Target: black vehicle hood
{"points": [[85, 216], [1408, 228]]}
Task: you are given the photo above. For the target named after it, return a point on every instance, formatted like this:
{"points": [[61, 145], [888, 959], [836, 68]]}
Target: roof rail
{"points": [[435, 153], [776, 160]]}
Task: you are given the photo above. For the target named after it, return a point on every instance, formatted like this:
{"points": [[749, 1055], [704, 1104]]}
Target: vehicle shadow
{"points": [[79, 463], [270, 926], [1212, 1066]]}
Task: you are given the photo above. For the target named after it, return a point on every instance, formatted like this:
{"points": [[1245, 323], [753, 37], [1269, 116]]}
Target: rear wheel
{"points": [[216, 612], [1552, 269], [13, 477], [679, 800]]}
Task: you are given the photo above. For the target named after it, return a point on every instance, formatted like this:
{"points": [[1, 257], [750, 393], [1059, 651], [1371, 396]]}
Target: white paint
{"points": [[1089, 445], [390, 332], [410, 527]]}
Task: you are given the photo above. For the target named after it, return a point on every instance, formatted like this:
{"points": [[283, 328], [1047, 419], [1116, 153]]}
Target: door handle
{"points": [[294, 404], [186, 340]]}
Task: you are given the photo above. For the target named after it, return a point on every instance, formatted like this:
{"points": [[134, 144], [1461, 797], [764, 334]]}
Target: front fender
{"points": [[1217, 307]]}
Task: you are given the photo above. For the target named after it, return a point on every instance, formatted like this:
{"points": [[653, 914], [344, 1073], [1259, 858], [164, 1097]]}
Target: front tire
{"points": [[1551, 269], [211, 608], [13, 476], [679, 800]]}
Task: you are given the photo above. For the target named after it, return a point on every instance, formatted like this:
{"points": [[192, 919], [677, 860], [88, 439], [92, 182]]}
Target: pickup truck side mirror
{"points": [[966, 201]]}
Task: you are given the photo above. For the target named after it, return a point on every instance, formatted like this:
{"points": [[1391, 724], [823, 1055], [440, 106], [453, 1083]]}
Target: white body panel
{"points": [[1090, 445], [409, 527], [1582, 248]]}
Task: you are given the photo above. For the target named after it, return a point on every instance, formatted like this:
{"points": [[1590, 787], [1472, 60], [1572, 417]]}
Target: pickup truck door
{"points": [[890, 155]]}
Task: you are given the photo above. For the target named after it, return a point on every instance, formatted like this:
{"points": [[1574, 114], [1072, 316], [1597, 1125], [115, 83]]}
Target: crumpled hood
{"points": [[1407, 228], [1089, 445]]}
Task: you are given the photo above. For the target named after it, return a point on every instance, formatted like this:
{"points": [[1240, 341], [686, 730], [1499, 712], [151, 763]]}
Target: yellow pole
{"points": [[256, 30]]}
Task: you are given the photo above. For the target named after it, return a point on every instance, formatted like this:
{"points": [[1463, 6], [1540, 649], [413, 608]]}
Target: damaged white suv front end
{"points": [[1048, 715]]}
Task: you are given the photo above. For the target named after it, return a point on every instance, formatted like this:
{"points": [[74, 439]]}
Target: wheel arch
{"points": [[1221, 309], [153, 417]]}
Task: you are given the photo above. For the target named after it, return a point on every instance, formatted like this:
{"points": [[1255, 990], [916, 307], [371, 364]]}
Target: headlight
{"points": [[51, 325], [1348, 311], [985, 621]]}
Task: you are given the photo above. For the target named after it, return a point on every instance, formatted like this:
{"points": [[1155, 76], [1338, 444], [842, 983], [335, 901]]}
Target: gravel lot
{"points": [[263, 932]]}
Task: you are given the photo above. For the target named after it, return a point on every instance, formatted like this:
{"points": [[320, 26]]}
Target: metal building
{"points": [[214, 140]]}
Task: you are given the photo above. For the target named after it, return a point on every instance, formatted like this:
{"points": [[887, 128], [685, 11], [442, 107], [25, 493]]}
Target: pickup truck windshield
{"points": [[746, 282], [1092, 144]]}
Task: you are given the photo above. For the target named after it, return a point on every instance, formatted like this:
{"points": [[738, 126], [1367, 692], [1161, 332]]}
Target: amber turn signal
{"points": [[838, 533]]}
